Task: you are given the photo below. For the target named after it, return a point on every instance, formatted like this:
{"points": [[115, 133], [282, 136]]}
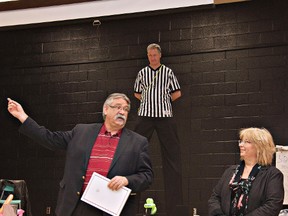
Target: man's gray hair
{"points": [[113, 96], [154, 46]]}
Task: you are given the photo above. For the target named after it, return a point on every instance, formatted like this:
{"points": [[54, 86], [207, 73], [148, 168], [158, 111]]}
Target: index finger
{"points": [[12, 101]]}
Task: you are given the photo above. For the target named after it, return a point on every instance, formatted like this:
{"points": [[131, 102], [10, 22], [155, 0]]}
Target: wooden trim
{"points": [[227, 1]]}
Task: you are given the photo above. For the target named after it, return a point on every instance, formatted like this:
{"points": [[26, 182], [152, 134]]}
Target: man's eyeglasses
{"points": [[244, 142], [119, 107]]}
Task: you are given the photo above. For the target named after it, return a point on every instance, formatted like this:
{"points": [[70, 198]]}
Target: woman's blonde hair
{"points": [[263, 141]]}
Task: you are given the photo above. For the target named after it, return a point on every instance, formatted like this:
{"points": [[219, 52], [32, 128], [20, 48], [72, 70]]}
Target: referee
{"points": [[157, 87]]}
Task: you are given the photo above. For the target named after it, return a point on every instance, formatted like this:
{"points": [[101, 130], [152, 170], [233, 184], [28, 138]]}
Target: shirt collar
{"points": [[107, 133], [156, 68]]}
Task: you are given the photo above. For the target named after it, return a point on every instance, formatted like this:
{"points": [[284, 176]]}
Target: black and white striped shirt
{"points": [[155, 87]]}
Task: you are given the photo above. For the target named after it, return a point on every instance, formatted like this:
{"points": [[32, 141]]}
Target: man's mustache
{"points": [[120, 116]]}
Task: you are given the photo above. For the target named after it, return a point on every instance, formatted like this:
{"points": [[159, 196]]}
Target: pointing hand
{"points": [[16, 110]]}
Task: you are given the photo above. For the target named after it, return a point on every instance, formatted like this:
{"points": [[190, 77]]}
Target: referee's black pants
{"points": [[171, 157]]}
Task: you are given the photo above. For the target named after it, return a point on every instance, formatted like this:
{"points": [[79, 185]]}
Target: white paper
{"points": [[282, 165], [100, 196]]}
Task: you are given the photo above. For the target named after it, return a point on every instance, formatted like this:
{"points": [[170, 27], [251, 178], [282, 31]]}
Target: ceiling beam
{"points": [[227, 1]]}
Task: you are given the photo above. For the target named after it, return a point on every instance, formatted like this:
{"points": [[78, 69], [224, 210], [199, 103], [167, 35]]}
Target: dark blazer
{"points": [[131, 159], [265, 197]]}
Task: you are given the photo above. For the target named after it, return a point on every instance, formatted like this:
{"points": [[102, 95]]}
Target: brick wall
{"points": [[231, 62]]}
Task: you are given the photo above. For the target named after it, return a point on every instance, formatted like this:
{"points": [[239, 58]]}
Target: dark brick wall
{"points": [[231, 62]]}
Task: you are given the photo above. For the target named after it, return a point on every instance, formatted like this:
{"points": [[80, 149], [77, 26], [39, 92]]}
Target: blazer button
{"points": [[83, 177], [78, 193]]}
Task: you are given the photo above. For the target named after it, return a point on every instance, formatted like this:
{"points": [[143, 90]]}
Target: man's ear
{"points": [[105, 108]]}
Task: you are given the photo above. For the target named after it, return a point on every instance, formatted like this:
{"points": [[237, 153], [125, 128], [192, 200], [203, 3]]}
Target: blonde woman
{"points": [[254, 187]]}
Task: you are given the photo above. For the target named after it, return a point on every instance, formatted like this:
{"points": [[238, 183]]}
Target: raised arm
{"points": [[16, 110]]}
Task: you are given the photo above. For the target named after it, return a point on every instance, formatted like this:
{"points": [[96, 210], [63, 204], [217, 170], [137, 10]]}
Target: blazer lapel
{"points": [[91, 138], [122, 145]]}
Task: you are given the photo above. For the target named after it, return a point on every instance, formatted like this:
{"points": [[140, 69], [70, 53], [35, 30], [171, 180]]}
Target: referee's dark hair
{"points": [[154, 46]]}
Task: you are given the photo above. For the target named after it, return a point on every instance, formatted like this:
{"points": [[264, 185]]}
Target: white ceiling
{"points": [[93, 9]]}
